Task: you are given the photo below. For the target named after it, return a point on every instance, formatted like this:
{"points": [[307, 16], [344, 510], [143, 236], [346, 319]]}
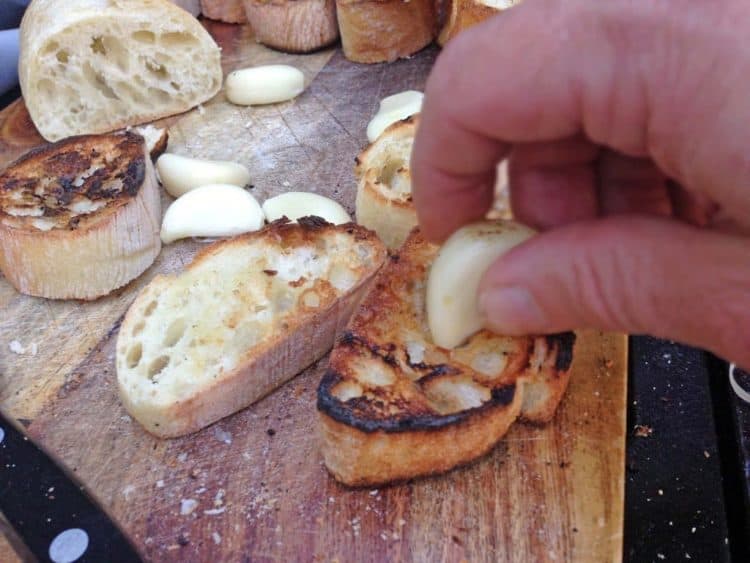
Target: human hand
{"points": [[627, 127]]}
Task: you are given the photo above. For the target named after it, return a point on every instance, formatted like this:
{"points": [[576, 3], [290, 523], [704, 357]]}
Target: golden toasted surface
{"points": [[383, 167], [386, 373], [70, 183]]}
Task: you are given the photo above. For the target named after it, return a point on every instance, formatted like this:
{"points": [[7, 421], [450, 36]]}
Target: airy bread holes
{"points": [[347, 390], [175, 331], [391, 168], [62, 56], [97, 46], [137, 329], [450, 395], [134, 355], [177, 39], [150, 309], [157, 366], [144, 36]]}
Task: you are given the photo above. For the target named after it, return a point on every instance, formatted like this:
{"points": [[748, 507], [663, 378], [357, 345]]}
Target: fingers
{"points": [[630, 274], [644, 80], [631, 185], [553, 183], [482, 95]]}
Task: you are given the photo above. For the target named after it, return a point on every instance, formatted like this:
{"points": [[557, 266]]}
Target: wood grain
{"points": [[544, 494]]}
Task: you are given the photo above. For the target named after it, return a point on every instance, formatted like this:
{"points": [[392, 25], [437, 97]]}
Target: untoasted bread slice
{"points": [[376, 31], [245, 317], [79, 218], [465, 13], [383, 201], [393, 405], [293, 26]]}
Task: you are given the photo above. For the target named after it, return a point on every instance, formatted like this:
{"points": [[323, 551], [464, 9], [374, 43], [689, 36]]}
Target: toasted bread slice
{"points": [[465, 13], [229, 11], [383, 201], [79, 218], [393, 405], [246, 316], [376, 31], [293, 26]]}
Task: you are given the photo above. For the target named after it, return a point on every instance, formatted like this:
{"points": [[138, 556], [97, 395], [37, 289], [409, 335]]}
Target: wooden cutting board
{"points": [[544, 494]]}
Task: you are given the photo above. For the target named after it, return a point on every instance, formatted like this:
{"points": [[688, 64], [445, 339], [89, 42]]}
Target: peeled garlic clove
{"points": [[180, 174], [260, 85], [294, 205], [218, 210], [453, 282], [393, 109]]}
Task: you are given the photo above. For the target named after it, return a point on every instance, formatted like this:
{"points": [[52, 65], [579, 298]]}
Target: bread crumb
{"points": [[182, 458], [216, 537], [215, 511], [201, 109], [160, 484], [17, 348], [642, 430], [219, 498], [187, 506], [222, 435], [127, 490]]}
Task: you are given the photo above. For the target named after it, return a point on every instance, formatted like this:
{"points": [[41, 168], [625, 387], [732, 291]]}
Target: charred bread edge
{"points": [[560, 344]]}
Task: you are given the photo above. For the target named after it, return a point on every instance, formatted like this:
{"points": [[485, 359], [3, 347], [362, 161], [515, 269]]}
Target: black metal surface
{"points": [[50, 513], [675, 500]]}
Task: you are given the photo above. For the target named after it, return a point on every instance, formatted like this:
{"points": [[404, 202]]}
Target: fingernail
{"points": [[511, 311]]}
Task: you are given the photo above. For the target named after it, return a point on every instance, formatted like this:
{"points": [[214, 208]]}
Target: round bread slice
{"points": [[79, 218], [384, 201]]}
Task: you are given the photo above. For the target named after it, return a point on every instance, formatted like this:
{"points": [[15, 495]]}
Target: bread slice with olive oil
{"points": [[393, 405], [80, 217], [246, 316]]}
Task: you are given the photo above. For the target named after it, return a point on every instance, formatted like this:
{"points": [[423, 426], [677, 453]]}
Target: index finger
{"points": [[518, 77]]}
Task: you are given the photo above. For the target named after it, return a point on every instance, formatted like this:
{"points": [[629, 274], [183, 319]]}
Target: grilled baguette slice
{"points": [[375, 31], [383, 201], [229, 11], [245, 317], [393, 405], [465, 13], [79, 218], [293, 26], [93, 66]]}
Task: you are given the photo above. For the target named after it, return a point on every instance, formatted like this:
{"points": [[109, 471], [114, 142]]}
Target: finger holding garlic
{"points": [[453, 283], [218, 210], [180, 174], [294, 205], [262, 85]]}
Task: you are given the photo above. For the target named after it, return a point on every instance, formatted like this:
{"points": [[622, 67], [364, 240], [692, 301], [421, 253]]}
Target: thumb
{"points": [[629, 274]]}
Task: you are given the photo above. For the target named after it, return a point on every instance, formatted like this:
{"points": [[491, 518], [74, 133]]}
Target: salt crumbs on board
{"points": [[642, 431], [187, 506]]}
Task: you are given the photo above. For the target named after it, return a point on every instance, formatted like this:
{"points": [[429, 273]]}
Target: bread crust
{"points": [[79, 218], [309, 334], [462, 14], [228, 11], [375, 31], [293, 26], [379, 207], [394, 406]]}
